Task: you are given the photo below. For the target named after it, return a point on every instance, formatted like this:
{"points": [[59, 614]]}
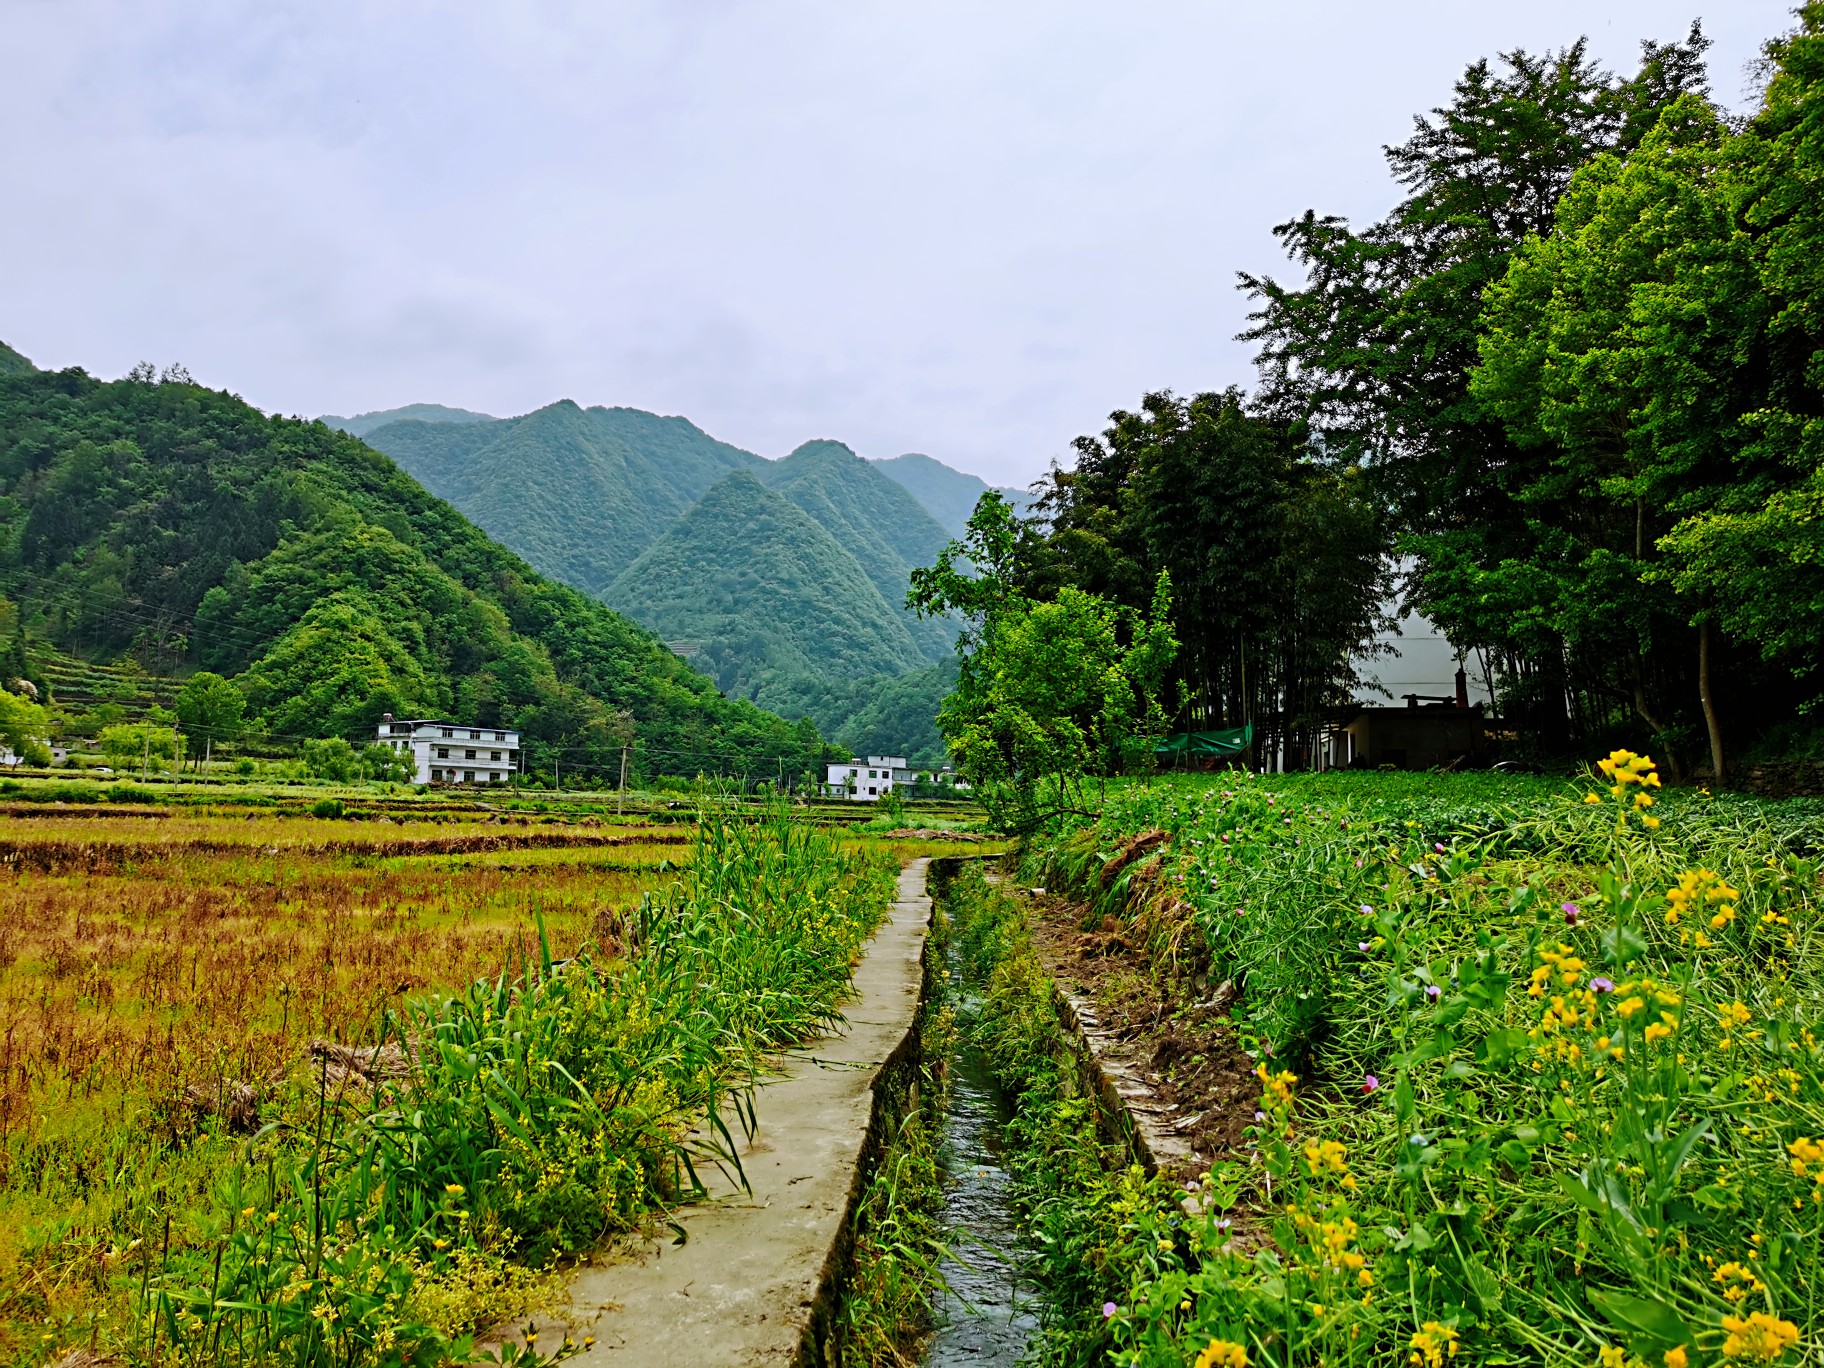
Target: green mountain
{"points": [[881, 525], [12, 363], [363, 423], [881, 715], [169, 520], [788, 592], [580, 493], [949, 495], [760, 592]]}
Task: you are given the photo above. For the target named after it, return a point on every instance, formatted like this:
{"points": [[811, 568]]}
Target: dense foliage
{"points": [[948, 495], [1539, 1070], [764, 596], [1049, 692], [1278, 563], [1580, 362], [580, 493], [185, 527]]}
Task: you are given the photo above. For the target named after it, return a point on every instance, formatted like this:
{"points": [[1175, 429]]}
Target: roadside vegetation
{"points": [[324, 1090], [1537, 1068]]}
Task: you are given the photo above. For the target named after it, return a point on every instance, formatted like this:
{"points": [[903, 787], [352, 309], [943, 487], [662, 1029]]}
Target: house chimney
{"points": [[388, 717], [1462, 688]]}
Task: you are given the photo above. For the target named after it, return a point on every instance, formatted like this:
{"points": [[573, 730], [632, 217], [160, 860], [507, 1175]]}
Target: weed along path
{"points": [[751, 1283]]}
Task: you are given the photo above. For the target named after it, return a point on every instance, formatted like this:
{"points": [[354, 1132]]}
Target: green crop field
{"points": [[1538, 1072]]}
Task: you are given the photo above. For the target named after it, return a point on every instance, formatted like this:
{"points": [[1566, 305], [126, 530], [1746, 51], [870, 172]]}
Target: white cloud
{"points": [[969, 230]]}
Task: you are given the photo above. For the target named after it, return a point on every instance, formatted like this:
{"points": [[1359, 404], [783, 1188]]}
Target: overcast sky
{"points": [[965, 229]]}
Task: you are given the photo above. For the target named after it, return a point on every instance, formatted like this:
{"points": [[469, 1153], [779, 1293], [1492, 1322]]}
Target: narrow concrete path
{"points": [[742, 1289]]}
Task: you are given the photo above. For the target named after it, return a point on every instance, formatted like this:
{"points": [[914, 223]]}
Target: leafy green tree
{"points": [[1375, 349], [1048, 693], [24, 728], [130, 744], [209, 709], [1624, 348], [332, 758], [384, 765], [1278, 563], [1755, 556]]}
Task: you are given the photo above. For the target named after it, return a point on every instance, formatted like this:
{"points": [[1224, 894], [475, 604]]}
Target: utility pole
{"points": [[174, 752], [145, 760], [557, 782], [621, 803]]}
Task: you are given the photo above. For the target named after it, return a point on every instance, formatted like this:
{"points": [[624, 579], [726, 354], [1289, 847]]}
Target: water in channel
{"points": [[988, 1315]]}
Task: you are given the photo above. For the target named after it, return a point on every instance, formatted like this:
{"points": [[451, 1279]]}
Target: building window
{"points": [[468, 755], [468, 776], [493, 755], [872, 791], [474, 736], [443, 752], [448, 732], [500, 736]]}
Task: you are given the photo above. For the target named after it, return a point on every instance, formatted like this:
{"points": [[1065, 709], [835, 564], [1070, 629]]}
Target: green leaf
{"points": [[1642, 1316]]}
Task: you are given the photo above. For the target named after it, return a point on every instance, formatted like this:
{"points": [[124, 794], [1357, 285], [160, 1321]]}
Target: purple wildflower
{"points": [[1370, 1083], [1363, 946], [1433, 992], [1109, 1309], [1571, 913], [1602, 985]]}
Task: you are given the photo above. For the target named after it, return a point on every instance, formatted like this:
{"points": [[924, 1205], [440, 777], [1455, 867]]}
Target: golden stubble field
{"points": [[156, 966]]}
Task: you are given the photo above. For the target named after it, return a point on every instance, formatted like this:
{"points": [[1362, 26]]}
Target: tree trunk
{"points": [[1659, 733], [1709, 699]]}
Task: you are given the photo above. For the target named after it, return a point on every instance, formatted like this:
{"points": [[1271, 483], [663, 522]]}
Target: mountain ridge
{"points": [[332, 583]]}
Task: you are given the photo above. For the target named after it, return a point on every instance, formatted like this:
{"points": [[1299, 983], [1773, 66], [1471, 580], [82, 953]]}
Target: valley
{"points": [[782, 580]]}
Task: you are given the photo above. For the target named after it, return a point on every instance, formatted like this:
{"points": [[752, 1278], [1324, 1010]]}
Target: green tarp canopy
{"points": [[1204, 743]]}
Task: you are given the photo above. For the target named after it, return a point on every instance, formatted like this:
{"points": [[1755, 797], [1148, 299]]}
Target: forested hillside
{"points": [[793, 593], [182, 524], [363, 423], [888, 532], [12, 363], [947, 494], [580, 493], [762, 592]]}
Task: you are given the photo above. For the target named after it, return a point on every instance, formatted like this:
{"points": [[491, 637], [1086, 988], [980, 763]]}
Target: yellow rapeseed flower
{"points": [[1760, 1336], [1432, 1345], [1612, 1356], [1676, 1357], [1221, 1353]]}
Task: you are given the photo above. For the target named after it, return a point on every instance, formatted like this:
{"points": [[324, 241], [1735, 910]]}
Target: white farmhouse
{"points": [[452, 753], [863, 781]]}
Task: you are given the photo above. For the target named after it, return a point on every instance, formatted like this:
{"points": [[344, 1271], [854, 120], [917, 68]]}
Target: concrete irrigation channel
{"points": [[756, 1280]]}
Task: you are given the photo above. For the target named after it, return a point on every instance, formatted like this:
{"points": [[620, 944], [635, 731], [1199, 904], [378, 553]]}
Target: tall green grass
{"points": [[1449, 1165], [538, 1113]]}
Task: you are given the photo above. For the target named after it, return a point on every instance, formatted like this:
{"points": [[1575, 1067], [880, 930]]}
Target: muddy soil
{"points": [[1167, 1047]]}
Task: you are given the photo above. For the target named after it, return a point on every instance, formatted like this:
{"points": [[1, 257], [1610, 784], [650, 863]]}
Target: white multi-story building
{"points": [[870, 780], [864, 781], [452, 753]]}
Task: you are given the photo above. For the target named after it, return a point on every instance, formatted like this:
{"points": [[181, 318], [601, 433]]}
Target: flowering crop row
{"points": [[1539, 1069]]}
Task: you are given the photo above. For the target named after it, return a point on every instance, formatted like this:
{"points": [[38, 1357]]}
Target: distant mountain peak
{"points": [[363, 423]]}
